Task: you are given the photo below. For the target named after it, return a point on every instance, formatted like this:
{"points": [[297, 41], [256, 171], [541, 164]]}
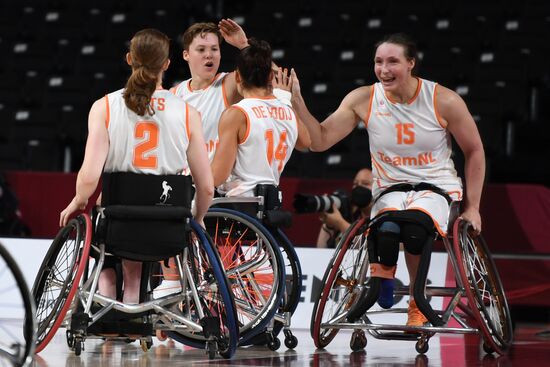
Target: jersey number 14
{"points": [[280, 152]]}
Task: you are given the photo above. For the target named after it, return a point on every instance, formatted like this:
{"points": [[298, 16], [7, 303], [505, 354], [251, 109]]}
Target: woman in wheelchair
{"points": [[143, 129], [257, 135], [410, 122]]}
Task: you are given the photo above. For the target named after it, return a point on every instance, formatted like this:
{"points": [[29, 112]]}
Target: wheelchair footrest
{"points": [[115, 315], [398, 335], [121, 328], [113, 322]]}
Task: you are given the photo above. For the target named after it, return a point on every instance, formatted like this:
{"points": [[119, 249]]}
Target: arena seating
{"points": [[60, 55]]}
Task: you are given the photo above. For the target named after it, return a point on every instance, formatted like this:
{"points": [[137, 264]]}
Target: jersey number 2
{"points": [[280, 153], [143, 157]]}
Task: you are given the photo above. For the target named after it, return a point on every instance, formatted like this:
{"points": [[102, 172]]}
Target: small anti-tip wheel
{"points": [[358, 340], [78, 347], [211, 349], [70, 339], [487, 348], [291, 342], [275, 344], [422, 346]]}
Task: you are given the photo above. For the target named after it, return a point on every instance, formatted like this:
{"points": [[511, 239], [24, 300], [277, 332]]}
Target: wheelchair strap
{"points": [[420, 285], [422, 186], [128, 188]]}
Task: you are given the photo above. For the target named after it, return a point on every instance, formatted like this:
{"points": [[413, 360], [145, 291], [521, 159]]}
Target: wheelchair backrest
{"points": [[145, 217], [265, 205]]}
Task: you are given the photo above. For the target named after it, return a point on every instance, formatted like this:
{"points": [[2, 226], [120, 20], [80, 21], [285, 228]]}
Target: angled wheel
{"points": [[293, 285], [293, 272], [59, 276], [483, 287], [16, 314], [343, 280], [213, 300], [254, 266]]}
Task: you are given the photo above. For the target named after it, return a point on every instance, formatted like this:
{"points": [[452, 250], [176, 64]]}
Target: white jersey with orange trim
{"points": [[272, 132], [153, 144], [210, 102], [408, 144]]}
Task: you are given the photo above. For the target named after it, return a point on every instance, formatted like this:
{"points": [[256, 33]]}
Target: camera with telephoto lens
{"points": [[306, 203]]}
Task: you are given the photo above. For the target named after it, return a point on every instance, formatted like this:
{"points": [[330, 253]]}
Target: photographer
{"points": [[335, 223]]}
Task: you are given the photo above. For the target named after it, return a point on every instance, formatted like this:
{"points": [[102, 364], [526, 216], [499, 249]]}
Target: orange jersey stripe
{"points": [[247, 124], [107, 118], [187, 122], [381, 170], [366, 120], [437, 115]]}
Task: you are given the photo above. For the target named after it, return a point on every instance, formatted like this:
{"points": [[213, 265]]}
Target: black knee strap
{"points": [[388, 247], [414, 237]]}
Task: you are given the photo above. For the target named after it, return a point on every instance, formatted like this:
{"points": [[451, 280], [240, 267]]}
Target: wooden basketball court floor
{"points": [[529, 349]]}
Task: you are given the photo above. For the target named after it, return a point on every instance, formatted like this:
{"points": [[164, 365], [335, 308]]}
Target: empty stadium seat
{"points": [[59, 56]]}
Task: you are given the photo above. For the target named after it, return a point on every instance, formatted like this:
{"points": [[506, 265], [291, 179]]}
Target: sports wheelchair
{"points": [[260, 262], [135, 224], [17, 314], [476, 303]]}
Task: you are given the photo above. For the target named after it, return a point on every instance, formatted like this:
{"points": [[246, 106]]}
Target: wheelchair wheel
{"points": [[16, 314], [342, 282], [293, 290], [332, 261], [254, 265], [293, 271], [483, 287], [216, 300], [59, 276]]}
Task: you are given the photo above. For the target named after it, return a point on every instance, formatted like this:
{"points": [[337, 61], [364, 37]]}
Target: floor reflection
{"points": [[445, 350]]}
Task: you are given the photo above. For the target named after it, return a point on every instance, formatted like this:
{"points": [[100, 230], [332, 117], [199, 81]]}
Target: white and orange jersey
{"points": [[408, 143], [153, 144], [271, 134], [210, 102]]}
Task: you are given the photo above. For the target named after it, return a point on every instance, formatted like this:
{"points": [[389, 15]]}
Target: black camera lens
{"points": [[304, 203]]}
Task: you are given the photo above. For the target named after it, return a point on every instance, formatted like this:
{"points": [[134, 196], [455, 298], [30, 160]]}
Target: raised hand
{"points": [[281, 79], [295, 84], [233, 33]]}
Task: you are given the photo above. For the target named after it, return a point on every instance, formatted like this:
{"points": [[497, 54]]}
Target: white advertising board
{"points": [[28, 253]]}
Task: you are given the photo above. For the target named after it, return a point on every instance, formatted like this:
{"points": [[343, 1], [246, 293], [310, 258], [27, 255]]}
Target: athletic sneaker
{"points": [[415, 317], [385, 300], [166, 287]]}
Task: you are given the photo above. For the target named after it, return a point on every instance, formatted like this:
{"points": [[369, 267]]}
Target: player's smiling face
{"points": [[203, 56], [391, 66]]}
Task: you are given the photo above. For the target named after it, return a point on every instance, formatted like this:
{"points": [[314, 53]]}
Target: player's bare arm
{"points": [[339, 124], [462, 126]]}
